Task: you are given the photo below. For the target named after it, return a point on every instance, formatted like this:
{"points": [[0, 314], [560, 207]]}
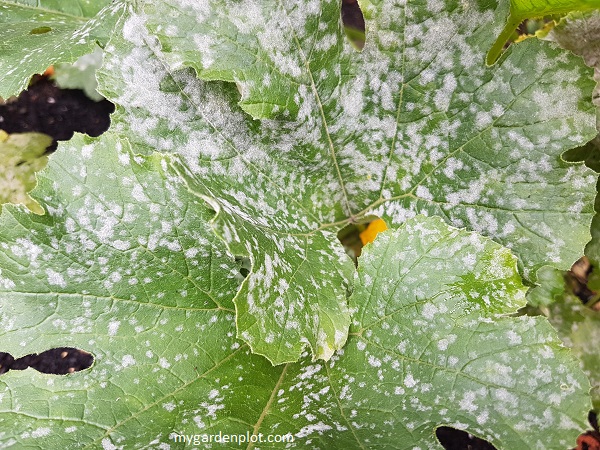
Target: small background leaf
{"points": [[527, 9], [21, 156], [81, 74], [579, 328]]}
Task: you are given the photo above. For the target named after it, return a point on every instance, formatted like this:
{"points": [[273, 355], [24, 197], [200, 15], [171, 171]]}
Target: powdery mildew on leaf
{"points": [[430, 344], [296, 293], [415, 123], [579, 328], [35, 37], [124, 265], [578, 324], [423, 350]]}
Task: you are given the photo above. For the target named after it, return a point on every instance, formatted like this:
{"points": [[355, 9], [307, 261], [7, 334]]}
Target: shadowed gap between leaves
{"points": [[48, 109], [354, 23], [355, 236], [244, 266], [453, 439], [56, 361]]}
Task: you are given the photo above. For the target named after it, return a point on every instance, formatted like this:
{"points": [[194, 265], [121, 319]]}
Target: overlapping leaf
{"points": [[125, 265], [415, 123], [36, 34], [81, 74], [429, 344]]}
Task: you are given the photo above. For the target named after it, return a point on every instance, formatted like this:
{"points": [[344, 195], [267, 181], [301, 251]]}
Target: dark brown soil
{"points": [[352, 15], [47, 109]]}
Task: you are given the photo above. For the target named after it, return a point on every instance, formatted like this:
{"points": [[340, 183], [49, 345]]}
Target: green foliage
{"points": [[479, 147], [36, 34], [579, 328], [81, 74], [527, 9], [160, 323], [260, 132], [21, 156]]}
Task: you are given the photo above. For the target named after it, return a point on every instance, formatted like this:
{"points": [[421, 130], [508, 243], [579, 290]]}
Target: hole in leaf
{"points": [[244, 267], [354, 23], [355, 236], [40, 30], [453, 439], [57, 361]]}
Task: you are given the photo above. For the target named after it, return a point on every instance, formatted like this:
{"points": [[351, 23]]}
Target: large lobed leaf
{"points": [[124, 266], [415, 123], [125, 263]]}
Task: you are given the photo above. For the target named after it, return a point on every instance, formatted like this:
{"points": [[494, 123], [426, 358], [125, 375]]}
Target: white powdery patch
{"points": [[424, 193], [313, 428], [40, 432], [55, 278], [138, 193], [121, 245], [6, 283], [429, 310], [204, 44], [113, 327], [443, 95], [467, 402], [445, 342], [108, 445], [127, 361], [513, 338], [164, 363], [169, 406], [409, 381], [374, 362]]}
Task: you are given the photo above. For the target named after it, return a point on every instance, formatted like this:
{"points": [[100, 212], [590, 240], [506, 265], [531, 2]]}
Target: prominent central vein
{"points": [[267, 407], [313, 86]]}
